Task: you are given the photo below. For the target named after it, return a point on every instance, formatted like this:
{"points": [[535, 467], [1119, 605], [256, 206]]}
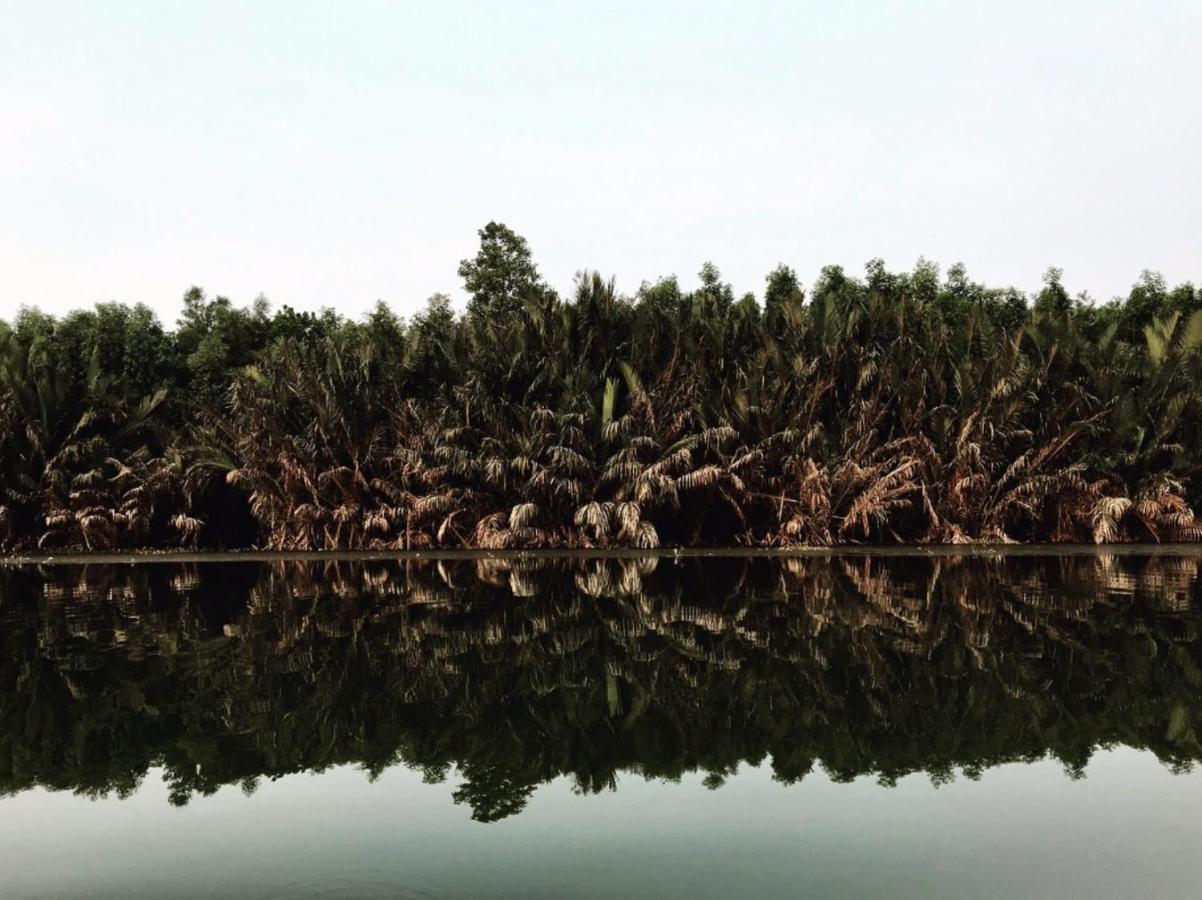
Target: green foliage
{"points": [[214, 338], [502, 276], [898, 407]]}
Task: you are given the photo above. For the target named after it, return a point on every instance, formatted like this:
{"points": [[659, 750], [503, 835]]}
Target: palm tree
{"points": [[897, 407], [82, 463]]}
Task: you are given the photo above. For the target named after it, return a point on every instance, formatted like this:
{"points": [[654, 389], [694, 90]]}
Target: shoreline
{"points": [[149, 557]]}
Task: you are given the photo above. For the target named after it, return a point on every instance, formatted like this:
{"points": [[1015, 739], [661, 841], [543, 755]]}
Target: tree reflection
{"points": [[504, 674]]}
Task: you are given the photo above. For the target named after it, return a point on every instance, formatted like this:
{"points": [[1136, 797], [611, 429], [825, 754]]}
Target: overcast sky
{"points": [[337, 153]]}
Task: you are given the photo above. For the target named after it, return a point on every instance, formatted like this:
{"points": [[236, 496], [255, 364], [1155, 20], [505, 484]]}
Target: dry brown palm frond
{"points": [[447, 528], [568, 460], [596, 519], [377, 522], [432, 506], [491, 532], [646, 537], [884, 491], [345, 512], [1161, 509], [239, 476], [715, 437], [621, 471], [340, 475], [679, 460], [656, 489], [189, 527], [1106, 515], [747, 458], [627, 515], [704, 477], [523, 515]]}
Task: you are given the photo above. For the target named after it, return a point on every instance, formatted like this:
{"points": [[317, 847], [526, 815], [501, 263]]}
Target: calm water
{"points": [[909, 726]]}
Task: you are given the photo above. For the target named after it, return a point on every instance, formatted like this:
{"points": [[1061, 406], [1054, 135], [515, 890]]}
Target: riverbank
{"points": [[914, 550]]}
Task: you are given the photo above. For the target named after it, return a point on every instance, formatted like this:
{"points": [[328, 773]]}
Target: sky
{"points": [[335, 154]]}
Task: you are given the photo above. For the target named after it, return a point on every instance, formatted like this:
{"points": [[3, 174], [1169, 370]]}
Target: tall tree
{"points": [[502, 275]]}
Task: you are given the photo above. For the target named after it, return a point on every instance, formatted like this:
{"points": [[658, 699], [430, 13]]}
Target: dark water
{"points": [[903, 726]]}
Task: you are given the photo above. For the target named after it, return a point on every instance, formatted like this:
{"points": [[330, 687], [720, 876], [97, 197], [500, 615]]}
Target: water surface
{"points": [[977, 725]]}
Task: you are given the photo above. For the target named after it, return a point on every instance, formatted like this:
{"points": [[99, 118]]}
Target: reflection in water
{"points": [[517, 671]]}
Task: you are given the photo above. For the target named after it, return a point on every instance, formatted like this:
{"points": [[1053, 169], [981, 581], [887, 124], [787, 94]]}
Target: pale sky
{"points": [[333, 154]]}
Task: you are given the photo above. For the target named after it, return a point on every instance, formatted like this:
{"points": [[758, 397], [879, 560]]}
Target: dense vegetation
{"points": [[504, 674], [892, 408]]}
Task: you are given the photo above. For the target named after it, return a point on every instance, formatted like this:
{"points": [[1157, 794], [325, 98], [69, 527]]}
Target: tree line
{"points": [[894, 407], [505, 674]]}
